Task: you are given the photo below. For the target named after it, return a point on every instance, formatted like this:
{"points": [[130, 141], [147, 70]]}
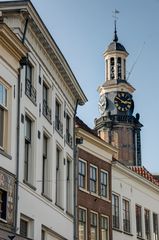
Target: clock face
{"points": [[123, 101], [102, 103]]}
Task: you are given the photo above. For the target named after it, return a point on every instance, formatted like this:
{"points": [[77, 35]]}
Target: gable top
{"points": [[26, 8]]}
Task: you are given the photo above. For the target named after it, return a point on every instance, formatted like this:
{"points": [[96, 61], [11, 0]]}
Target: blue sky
{"points": [[83, 29]]}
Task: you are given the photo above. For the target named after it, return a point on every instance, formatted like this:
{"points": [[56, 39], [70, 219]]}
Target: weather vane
{"points": [[115, 12]]}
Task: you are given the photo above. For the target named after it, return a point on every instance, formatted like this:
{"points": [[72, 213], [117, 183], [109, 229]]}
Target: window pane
{"points": [[3, 204], [126, 216], [147, 225], [93, 179], [82, 224], [3, 95], [27, 128], [115, 210], [93, 226], [1, 126], [103, 183], [23, 228], [44, 146], [138, 221], [104, 228], [155, 226], [29, 72]]}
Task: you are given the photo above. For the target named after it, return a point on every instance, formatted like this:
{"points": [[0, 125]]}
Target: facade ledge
{"points": [[2, 152], [29, 185], [45, 196]]}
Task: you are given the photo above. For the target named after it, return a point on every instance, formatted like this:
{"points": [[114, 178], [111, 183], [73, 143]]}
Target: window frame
{"points": [[155, 226], [4, 115], [138, 211], [84, 222], [82, 175], [126, 213], [94, 225], [147, 224], [104, 185], [3, 204], [93, 182], [101, 227], [58, 117], [116, 223]]}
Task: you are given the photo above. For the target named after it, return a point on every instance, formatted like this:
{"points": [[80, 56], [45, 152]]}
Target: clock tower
{"points": [[117, 125]]}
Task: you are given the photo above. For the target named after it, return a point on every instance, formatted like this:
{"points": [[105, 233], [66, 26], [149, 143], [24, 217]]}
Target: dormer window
{"points": [[112, 68], [119, 68]]}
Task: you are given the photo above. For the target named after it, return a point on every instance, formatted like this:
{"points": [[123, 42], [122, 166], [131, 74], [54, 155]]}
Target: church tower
{"points": [[117, 125]]}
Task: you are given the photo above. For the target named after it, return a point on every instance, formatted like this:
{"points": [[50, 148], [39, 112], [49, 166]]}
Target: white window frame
{"points": [[119, 212], [90, 179], [129, 219], [86, 227], [107, 184], [85, 176], [93, 212], [104, 216]]}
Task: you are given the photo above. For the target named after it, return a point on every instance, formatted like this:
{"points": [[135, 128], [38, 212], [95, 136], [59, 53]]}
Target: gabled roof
{"points": [[25, 8], [142, 171]]}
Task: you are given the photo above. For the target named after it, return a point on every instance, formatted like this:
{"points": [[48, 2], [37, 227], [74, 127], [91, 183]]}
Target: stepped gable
{"points": [[145, 173]]}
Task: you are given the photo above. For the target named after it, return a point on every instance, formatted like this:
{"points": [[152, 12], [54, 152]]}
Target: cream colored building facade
{"points": [[37, 127], [135, 203]]}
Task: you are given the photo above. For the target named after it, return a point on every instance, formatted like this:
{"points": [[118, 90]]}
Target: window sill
{"points": [[45, 196], [3, 220], [138, 237], [2, 152], [29, 185], [59, 206], [69, 214], [61, 134], [127, 233], [117, 229]]}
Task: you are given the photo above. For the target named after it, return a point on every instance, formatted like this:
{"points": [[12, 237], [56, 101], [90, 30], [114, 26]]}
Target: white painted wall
{"points": [[137, 190]]}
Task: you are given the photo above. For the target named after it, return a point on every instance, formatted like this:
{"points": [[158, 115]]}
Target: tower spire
{"points": [[115, 12]]}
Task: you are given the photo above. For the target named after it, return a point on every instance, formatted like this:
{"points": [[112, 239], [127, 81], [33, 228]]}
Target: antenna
{"points": [[142, 47]]}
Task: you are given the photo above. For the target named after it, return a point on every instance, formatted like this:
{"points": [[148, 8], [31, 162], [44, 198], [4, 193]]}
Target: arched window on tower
{"points": [[119, 67], [124, 69], [112, 68], [106, 69]]}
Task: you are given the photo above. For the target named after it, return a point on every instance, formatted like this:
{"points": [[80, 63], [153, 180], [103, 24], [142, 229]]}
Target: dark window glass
{"points": [[104, 228], [27, 148], [82, 224], [115, 211], [44, 167], [155, 226], [82, 174], [126, 216], [3, 204], [1, 126], [147, 224], [138, 221], [94, 226], [93, 179], [104, 184], [23, 228]]}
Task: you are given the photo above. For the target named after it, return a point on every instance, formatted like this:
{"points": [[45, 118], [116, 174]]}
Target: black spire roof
{"points": [[115, 45]]}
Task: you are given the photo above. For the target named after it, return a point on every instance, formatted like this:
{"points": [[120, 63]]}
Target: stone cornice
{"points": [[11, 42]]}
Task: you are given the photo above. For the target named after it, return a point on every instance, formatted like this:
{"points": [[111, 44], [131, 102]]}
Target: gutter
{"points": [[75, 176], [22, 62]]}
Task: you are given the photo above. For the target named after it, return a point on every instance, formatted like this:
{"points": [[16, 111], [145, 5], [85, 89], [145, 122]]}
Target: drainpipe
{"points": [[22, 62], [75, 177]]}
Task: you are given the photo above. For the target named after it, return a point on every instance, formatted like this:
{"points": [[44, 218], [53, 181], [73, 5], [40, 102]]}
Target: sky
{"points": [[83, 29]]}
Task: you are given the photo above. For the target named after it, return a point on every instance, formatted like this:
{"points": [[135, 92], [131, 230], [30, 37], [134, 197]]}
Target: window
{"points": [[23, 228], [82, 224], [155, 226], [27, 158], [69, 186], [104, 228], [42, 234], [126, 216], [26, 227], [147, 224], [3, 204], [93, 179], [30, 91], [115, 210], [3, 113], [94, 226], [58, 123], [112, 68], [82, 174], [119, 67], [45, 166], [104, 184], [59, 178], [68, 129], [138, 221], [46, 109]]}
